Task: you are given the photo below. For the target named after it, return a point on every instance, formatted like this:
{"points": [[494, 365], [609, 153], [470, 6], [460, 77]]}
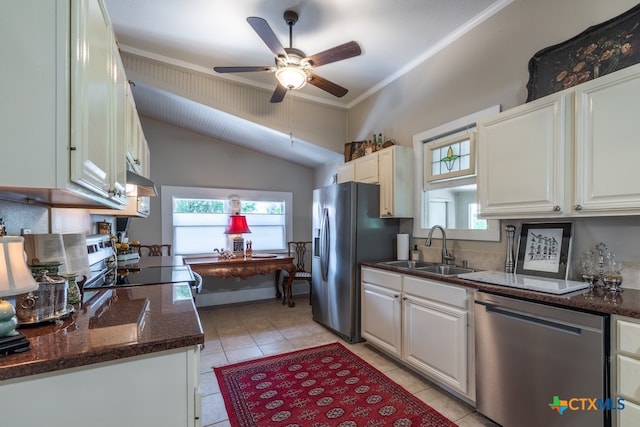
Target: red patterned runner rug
{"points": [[323, 386]]}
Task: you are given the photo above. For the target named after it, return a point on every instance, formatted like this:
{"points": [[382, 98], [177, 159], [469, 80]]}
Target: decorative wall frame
{"points": [[545, 249], [598, 50]]}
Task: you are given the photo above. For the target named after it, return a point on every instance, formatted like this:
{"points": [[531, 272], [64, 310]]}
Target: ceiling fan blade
{"points": [[244, 69], [338, 53], [267, 35], [327, 85], [278, 94]]}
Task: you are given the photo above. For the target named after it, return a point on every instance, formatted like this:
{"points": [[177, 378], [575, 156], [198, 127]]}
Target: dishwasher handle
{"points": [[521, 316]]}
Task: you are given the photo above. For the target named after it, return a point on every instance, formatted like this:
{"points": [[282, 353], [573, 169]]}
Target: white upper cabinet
{"points": [[67, 120], [92, 86], [392, 169], [366, 169], [520, 159], [395, 167], [607, 176], [573, 153], [346, 172]]}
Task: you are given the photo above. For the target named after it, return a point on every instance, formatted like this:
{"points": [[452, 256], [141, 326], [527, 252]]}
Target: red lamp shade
{"points": [[237, 225]]}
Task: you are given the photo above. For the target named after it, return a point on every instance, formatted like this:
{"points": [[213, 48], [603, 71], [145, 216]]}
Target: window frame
{"points": [[168, 193], [448, 130]]}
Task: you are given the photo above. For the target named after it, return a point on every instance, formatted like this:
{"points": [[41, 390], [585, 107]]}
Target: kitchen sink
{"points": [[445, 270], [408, 264]]}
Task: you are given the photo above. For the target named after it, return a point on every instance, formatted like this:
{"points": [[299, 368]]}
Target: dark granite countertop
{"points": [[110, 324], [626, 303]]}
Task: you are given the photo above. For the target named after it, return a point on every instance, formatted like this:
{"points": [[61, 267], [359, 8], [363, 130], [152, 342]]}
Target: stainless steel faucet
{"points": [[446, 256]]}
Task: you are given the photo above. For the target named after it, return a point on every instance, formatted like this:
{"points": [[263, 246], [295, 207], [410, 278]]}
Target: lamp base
{"points": [[13, 344]]}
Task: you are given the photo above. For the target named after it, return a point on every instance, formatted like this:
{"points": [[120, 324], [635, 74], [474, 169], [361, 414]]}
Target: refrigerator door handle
{"points": [[324, 245]]}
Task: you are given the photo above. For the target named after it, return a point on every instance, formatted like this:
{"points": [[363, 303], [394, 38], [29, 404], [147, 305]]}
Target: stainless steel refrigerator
{"points": [[347, 229]]}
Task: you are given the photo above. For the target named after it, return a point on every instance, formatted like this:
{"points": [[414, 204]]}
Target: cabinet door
{"points": [[520, 160], [381, 317], [346, 172], [435, 340], [142, 396], [385, 172], [117, 159], [366, 169], [395, 172], [91, 94], [607, 152], [133, 139], [34, 109]]}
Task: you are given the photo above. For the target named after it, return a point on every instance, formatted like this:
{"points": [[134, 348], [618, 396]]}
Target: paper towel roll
{"points": [[403, 246]]}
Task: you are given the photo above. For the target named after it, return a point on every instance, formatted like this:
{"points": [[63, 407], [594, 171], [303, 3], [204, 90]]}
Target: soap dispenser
{"points": [[415, 253]]}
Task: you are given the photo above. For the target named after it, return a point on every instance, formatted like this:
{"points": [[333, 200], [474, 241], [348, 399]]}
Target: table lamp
{"points": [[15, 279], [237, 226]]}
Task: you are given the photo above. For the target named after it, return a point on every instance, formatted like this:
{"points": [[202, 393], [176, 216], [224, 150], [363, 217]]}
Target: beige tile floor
{"points": [[241, 332]]}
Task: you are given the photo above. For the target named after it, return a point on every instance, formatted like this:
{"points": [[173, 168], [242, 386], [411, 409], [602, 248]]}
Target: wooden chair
{"points": [[155, 250], [299, 250]]}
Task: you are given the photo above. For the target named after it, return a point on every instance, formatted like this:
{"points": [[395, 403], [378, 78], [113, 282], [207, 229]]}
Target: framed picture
{"points": [[545, 249]]}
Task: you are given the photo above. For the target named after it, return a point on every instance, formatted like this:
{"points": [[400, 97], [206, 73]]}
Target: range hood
{"points": [[146, 187]]}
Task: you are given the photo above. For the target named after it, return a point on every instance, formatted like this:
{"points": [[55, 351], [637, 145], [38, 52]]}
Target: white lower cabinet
{"points": [[625, 368], [381, 309], [159, 389], [427, 324], [436, 336]]}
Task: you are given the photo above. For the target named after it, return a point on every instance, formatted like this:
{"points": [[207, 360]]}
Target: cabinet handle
{"points": [[396, 296], [405, 298], [578, 207], [556, 208]]}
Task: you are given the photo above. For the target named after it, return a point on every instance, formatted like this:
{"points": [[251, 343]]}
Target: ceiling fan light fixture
{"points": [[291, 76]]}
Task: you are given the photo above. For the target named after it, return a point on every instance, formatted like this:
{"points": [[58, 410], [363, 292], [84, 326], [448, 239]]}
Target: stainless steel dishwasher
{"points": [[527, 353]]}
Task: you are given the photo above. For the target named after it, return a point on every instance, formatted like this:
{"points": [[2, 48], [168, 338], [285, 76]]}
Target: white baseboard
{"points": [[209, 299]]}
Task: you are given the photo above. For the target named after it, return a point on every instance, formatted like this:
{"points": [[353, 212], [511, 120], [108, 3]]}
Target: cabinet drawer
{"points": [[629, 377], [441, 292], [628, 337], [630, 415], [382, 278]]}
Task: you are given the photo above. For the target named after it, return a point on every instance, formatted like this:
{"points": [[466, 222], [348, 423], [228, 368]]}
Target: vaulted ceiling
{"points": [[394, 37]]}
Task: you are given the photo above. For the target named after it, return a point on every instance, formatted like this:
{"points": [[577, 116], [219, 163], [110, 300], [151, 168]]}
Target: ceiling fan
{"points": [[293, 67]]}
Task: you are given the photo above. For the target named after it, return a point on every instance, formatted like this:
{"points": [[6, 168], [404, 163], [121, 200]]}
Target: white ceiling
{"points": [[394, 36]]}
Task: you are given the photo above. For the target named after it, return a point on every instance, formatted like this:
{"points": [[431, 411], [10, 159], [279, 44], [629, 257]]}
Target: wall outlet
{"points": [[24, 231]]}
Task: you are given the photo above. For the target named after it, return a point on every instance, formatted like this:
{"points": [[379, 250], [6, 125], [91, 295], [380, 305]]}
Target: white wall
{"points": [[487, 66]]}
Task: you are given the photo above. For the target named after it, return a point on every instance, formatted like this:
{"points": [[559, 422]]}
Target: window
{"points": [[450, 158], [445, 158], [195, 219]]}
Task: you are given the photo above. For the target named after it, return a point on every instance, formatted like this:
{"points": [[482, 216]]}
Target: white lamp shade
{"points": [[15, 275], [291, 76]]}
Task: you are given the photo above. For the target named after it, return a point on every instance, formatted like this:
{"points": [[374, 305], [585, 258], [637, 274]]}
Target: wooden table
{"points": [[245, 268]]}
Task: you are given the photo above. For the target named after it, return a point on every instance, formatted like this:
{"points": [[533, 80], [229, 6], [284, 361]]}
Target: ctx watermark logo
{"points": [[586, 404]]}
